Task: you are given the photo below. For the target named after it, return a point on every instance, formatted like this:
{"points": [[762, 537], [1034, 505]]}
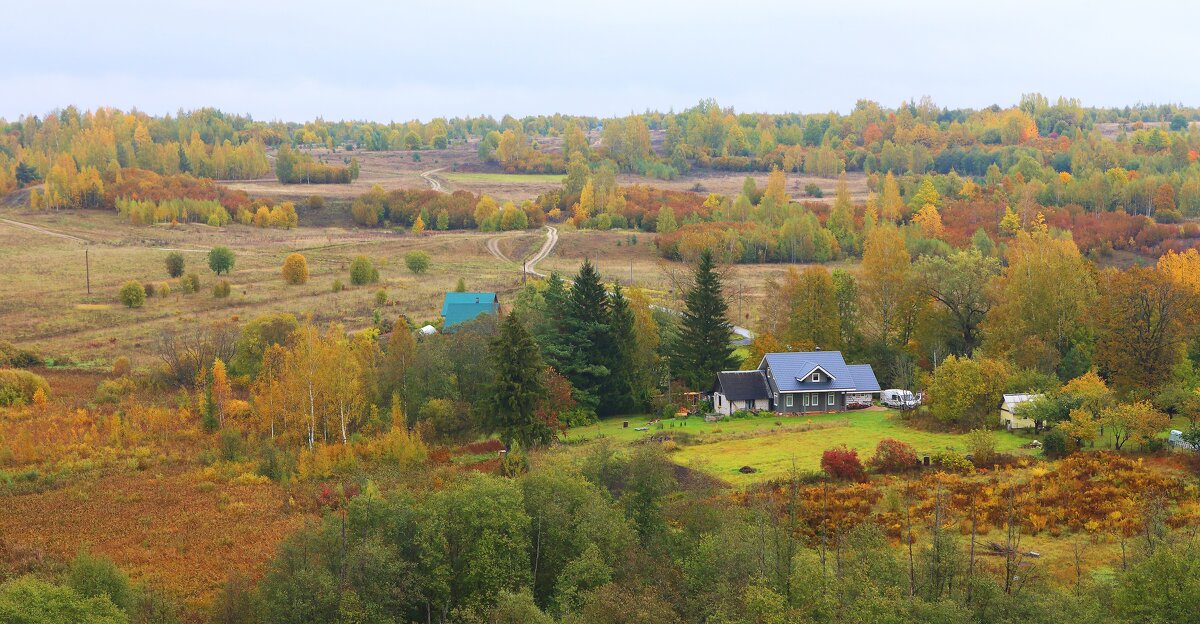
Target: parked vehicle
{"points": [[858, 401], [1175, 440], [899, 399]]}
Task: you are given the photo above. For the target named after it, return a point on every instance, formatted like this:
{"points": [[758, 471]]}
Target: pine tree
{"points": [[517, 387], [586, 339], [703, 348]]}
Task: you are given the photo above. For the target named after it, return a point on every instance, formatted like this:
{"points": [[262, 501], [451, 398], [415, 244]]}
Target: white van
{"points": [[899, 399]]}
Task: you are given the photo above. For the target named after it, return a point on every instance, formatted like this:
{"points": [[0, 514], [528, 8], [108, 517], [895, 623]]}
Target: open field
{"points": [[772, 444], [458, 168], [44, 303]]}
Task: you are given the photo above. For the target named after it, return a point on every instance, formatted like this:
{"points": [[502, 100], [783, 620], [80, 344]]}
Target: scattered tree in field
{"points": [[174, 264], [363, 271], [418, 226], [133, 294], [460, 285], [221, 289], [220, 259], [295, 269], [416, 261], [703, 348], [518, 387]]}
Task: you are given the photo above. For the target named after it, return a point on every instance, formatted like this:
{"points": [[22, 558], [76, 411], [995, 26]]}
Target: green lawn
{"points": [[503, 178], [721, 448]]}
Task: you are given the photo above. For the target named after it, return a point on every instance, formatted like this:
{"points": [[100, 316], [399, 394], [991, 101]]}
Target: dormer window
{"points": [[816, 377]]}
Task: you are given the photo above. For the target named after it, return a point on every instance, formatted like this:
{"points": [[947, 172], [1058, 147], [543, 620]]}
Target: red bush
{"points": [[892, 455], [843, 463]]}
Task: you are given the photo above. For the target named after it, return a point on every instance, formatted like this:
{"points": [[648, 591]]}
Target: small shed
{"points": [[1010, 415], [740, 390]]}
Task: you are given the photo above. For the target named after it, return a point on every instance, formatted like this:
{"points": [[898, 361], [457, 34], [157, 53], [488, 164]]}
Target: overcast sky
{"points": [[384, 61]]}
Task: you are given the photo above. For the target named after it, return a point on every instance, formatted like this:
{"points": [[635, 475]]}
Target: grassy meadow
{"points": [[772, 444]]}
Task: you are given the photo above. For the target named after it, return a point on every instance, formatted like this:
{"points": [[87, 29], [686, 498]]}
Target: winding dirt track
{"points": [[547, 247], [493, 247], [433, 183]]}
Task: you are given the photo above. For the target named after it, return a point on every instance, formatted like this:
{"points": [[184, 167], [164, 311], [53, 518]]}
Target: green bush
{"points": [[381, 297], [132, 294], [221, 289], [1055, 444], [229, 444], [111, 391], [338, 286], [190, 283], [28, 599], [94, 577], [951, 461], [175, 264], [17, 387], [416, 261], [12, 357], [363, 271]]}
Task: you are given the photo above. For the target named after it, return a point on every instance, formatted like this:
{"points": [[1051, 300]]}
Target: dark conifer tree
{"points": [[517, 386], [587, 339], [703, 348], [620, 391]]}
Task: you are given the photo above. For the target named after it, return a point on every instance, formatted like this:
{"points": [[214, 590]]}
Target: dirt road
{"points": [[42, 230], [493, 247], [547, 247], [433, 183]]}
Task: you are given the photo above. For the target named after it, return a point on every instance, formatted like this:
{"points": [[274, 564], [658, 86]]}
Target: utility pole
{"points": [[87, 267]]}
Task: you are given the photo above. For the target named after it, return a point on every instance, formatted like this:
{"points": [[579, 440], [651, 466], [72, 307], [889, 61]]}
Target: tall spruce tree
{"points": [[587, 340], [620, 388], [548, 324], [517, 386], [703, 348]]}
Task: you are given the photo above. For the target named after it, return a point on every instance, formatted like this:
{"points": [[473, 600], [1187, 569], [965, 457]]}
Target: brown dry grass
{"points": [[170, 530]]}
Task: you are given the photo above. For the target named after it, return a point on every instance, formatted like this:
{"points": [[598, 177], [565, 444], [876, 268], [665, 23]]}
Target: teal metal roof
{"points": [[460, 307]]}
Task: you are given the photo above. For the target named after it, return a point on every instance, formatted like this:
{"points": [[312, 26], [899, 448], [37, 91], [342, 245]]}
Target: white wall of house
{"points": [[724, 406]]}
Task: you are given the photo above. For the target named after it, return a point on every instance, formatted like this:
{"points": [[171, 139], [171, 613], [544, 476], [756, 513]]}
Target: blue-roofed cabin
{"points": [[803, 382], [460, 307]]}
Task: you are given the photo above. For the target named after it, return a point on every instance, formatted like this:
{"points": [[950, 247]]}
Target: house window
{"points": [[816, 377], [718, 400], [806, 399], [789, 400], [831, 400]]}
